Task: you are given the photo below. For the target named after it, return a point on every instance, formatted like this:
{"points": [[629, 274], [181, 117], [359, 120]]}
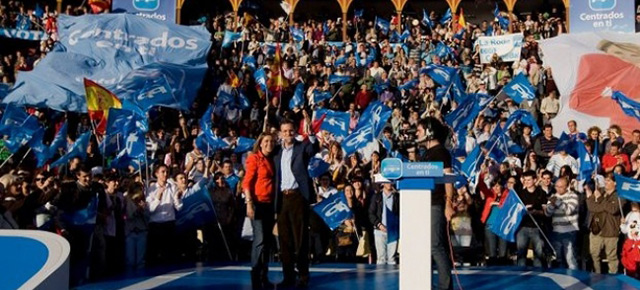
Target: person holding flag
{"points": [[533, 198], [258, 188]]}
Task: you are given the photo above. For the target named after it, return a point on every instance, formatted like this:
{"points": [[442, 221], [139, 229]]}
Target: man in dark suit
{"points": [[294, 194]]}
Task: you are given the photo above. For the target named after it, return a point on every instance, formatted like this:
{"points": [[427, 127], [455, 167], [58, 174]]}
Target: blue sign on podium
{"points": [[394, 168]]}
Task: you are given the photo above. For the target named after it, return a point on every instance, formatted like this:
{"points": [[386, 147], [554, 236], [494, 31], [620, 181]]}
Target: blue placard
{"points": [[391, 168], [602, 15], [162, 10], [422, 169]]}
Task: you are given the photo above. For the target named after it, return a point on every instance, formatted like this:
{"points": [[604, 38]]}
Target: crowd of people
{"points": [[570, 221]]}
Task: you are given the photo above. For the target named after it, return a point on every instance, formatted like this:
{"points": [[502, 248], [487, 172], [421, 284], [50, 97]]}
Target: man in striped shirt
{"points": [[563, 210]]}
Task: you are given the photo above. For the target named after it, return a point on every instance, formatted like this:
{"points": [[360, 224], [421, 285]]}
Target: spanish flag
{"points": [[248, 19], [234, 79], [99, 101], [99, 6], [461, 22], [277, 82]]}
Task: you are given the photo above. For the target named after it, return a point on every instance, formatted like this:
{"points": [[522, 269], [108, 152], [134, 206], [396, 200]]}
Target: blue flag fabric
{"points": [[224, 98], [358, 139], [462, 116], [393, 225], [358, 13], [19, 126], [79, 149], [628, 188], [446, 17], [382, 25], [508, 217], [524, 117], [586, 162], [120, 124], [337, 123], [297, 34], [298, 97], [565, 144], [83, 216], [333, 210], [442, 50], [230, 37], [207, 142], [443, 75], [40, 150], [504, 22], [381, 87], [197, 207], [520, 89], [4, 90], [409, 85], [317, 167], [134, 150], [250, 61], [629, 106], [261, 79], [340, 61], [57, 81], [376, 115], [334, 79], [59, 140], [472, 163], [244, 144], [426, 20], [242, 102], [459, 35], [319, 96]]}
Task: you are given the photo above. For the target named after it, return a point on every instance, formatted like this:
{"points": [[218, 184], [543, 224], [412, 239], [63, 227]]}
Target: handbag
{"points": [[364, 249]]}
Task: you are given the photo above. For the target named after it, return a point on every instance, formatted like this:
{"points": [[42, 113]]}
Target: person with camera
{"points": [[604, 207], [430, 137]]}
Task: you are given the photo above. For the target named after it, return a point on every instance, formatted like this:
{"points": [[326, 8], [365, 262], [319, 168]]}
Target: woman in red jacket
{"points": [[258, 188], [494, 197]]}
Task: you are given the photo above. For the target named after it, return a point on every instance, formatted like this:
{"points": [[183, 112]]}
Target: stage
{"points": [[360, 276]]}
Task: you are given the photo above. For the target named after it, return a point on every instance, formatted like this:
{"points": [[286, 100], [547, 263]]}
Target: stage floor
{"points": [[360, 276]]}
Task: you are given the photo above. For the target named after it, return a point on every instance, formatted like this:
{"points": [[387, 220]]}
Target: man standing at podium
{"points": [[430, 136]]}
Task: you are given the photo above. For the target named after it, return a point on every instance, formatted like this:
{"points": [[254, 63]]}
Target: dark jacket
{"points": [[302, 154], [606, 212], [376, 207]]}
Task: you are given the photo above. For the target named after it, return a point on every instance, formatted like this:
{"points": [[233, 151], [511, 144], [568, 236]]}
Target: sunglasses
{"points": [[40, 178]]}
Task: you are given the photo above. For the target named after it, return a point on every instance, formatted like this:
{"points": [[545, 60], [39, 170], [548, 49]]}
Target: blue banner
{"points": [[23, 34], [319, 96], [376, 115], [586, 162], [333, 210], [602, 15], [197, 207], [317, 167], [230, 37], [244, 144], [508, 217], [358, 139], [524, 117], [383, 25], [462, 116], [446, 17], [628, 188], [520, 89], [629, 106], [337, 123], [79, 149], [298, 97], [164, 10], [334, 79]]}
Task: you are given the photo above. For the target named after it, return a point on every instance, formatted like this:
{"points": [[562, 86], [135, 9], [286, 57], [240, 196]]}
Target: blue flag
{"points": [[472, 163], [79, 149], [629, 106], [446, 17], [586, 162], [442, 93], [38, 11], [230, 37], [520, 89], [59, 140], [224, 98], [393, 225], [317, 167], [358, 139], [628, 188], [333, 210], [40, 150], [261, 79], [442, 50], [297, 33], [340, 61], [197, 207], [244, 144], [4, 90], [161, 84], [524, 117], [564, 144], [376, 115], [242, 102], [85, 215], [440, 74], [459, 35], [250, 62], [358, 13], [207, 142], [508, 217], [18, 126], [426, 20], [504, 22], [337, 123], [319, 96], [463, 115], [334, 79], [382, 25], [381, 87], [409, 85], [298, 97]]}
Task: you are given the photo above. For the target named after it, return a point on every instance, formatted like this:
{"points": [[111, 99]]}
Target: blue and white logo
{"points": [[602, 5], [391, 168], [146, 5]]}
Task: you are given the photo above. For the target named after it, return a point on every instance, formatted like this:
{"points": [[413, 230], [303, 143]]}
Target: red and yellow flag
{"points": [[99, 101], [277, 82], [462, 23], [234, 79], [99, 6]]}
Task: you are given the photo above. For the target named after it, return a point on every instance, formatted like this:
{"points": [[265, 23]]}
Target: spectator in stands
{"points": [[604, 223], [545, 145], [383, 204], [614, 157], [563, 210], [529, 232]]}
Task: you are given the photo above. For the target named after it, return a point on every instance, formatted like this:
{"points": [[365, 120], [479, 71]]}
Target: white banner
{"points": [[507, 47], [583, 66]]}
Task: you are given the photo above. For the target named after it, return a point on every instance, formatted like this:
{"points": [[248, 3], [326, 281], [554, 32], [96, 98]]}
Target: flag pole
{"points": [[6, 160], [536, 223], [25, 156]]}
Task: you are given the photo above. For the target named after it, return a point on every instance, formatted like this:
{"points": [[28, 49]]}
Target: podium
{"points": [[415, 180]]}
